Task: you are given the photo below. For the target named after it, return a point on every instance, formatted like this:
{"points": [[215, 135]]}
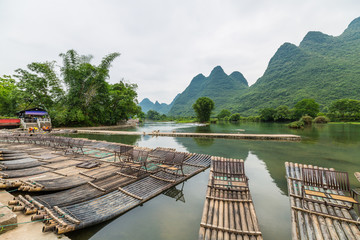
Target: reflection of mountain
{"points": [[220, 147]]}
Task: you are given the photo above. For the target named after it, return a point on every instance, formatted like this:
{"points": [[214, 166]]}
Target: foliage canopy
{"points": [[203, 108], [87, 99]]}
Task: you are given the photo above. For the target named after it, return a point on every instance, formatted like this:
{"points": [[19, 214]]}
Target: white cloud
{"points": [[164, 44]]}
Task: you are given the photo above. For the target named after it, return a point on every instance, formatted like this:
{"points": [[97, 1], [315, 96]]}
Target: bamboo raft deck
{"points": [[319, 218], [357, 175], [271, 137], [93, 195], [228, 211], [114, 203]]}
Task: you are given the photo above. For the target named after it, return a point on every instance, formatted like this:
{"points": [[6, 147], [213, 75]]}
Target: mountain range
{"points": [[322, 67], [162, 108]]}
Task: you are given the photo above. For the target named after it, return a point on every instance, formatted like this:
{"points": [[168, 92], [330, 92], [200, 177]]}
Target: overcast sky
{"points": [[164, 43]]}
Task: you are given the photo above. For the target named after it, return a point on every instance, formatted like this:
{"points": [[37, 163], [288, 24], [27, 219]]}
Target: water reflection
{"points": [[204, 142], [177, 194], [271, 204], [336, 146], [344, 133], [131, 139]]}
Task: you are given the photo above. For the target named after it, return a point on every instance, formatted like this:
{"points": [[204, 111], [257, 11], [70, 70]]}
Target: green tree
{"points": [[123, 103], [282, 113], [235, 117], [39, 86], [153, 115], [306, 107], [88, 92], [203, 108], [224, 113], [9, 96], [267, 114], [345, 110], [140, 114]]}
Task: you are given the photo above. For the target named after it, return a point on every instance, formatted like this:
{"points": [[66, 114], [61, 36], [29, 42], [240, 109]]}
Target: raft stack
{"points": [[87, 188]]}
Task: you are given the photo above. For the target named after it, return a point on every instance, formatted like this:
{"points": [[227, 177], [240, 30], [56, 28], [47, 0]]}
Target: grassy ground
{"points": [[344, 122]]}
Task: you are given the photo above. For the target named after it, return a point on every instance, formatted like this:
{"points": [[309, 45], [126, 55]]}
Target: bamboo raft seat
{"points": [[173, 163], [319, 212], [160, 153], [136, 160], [324, 179], [124, 152], [228, 213]]}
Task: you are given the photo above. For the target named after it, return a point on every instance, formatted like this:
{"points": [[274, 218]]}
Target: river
{"points": [[178, 218]]}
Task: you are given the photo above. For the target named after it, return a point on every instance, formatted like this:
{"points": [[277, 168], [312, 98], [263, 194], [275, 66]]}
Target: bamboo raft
{"points": [[318, 217], [272, 137], [109, 205], [228, 212], [92, 195]]}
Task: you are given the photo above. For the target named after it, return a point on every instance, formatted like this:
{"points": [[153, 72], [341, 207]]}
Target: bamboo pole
{"points": [[221, 216], [203, 218], [226, 216], [300, 225]]}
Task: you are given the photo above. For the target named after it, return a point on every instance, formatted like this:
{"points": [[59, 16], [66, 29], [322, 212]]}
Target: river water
{"points": [[178, 218]]}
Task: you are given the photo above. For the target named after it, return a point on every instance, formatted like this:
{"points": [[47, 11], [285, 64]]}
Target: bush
{"points": [[235, 117], [224, 113], [321, 119], [226, 119], [307, 120], [296, 124]]}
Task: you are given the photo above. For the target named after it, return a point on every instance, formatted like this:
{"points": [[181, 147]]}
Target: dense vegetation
{"points": [[322, 67], [80, 96], [304, 113], [218, 86]]}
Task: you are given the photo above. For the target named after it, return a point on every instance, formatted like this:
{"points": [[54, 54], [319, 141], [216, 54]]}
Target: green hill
{"points": [[322, 67], [162, 108], [218, 86]]}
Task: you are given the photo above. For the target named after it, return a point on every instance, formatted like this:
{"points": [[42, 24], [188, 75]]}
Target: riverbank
{"points": [[127, 124]]}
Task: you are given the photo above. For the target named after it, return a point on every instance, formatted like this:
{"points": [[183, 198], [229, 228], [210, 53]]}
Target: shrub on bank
{"points": [[296, 124], [321, 119], [307, 120], [235, 117]]}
